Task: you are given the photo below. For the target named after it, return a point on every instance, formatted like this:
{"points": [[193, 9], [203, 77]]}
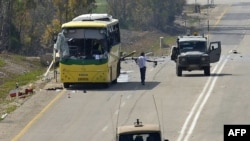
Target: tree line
{"points": [[28, 26]]}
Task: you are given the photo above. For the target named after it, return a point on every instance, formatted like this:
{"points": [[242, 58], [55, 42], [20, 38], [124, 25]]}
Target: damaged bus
{"points": [[89, 50]]}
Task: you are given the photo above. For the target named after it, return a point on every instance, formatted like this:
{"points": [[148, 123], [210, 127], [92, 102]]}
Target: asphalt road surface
{"points": [[193, 107], [203, 2]]}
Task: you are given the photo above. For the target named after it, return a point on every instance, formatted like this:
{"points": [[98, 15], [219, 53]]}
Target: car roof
{"points": [[192, 38], [138, 129]]}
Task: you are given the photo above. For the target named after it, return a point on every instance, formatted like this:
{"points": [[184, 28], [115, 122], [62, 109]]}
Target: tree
{"points": [[5, 20], [146, 14], [66, 10], [27, 26]]}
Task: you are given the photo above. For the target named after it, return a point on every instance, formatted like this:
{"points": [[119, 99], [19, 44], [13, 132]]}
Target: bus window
{"points": [[114, 35]]}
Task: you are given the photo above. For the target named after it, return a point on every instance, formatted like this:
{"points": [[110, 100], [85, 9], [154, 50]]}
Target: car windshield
{"points": [[193, 46], [140, 137]]}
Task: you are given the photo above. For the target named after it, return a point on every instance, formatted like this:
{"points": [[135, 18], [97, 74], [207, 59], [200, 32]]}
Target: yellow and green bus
{"points": [[89, 48]]}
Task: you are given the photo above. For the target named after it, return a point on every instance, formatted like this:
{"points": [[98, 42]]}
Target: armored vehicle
{"points": [[195, 53], [139, 132]]}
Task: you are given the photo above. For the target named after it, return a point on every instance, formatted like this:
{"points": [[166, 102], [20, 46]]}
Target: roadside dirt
{"points": [[142, 41]]}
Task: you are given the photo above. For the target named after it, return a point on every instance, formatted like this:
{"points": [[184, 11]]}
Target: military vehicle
{"points": [[195, 53], [139, 132]]}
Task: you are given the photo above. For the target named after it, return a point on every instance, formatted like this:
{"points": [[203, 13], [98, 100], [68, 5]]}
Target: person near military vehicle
{"points": [[141, 62]]}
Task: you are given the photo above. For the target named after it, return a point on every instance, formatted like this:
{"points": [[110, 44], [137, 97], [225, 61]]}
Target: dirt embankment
{"points": [[147, 41]]}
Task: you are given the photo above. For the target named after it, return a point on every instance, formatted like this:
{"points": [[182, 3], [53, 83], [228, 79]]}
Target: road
{"points": [[193, 107], [203, 2]]}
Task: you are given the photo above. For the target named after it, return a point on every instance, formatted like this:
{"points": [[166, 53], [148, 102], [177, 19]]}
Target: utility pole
{"points": [[161, 42], [212, 2], [208, 19], [208, 15], [9, 27]]}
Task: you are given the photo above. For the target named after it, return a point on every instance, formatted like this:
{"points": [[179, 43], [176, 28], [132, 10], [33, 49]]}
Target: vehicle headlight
{"points": [[204, 59], [182, 59]]}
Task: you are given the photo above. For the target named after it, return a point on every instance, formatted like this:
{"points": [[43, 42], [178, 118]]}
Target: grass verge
{"points": [[21, 79]]}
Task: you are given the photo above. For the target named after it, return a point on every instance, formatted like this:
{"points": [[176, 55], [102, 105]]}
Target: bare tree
{"points": [[145, 14]]}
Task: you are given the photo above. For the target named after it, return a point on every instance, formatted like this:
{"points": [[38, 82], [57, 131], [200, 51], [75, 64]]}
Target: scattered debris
{"points": [[4, 116], [234, 51], [16, 92], [2, 73], [55, 88], [29, 91]]}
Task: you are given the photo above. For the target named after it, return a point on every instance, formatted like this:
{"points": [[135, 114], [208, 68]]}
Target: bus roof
{"points": [[91, 20], [91, 17], [138, 129]]}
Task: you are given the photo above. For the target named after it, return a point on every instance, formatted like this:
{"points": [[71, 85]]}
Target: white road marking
{"points": [[200, 102], [104, 128], [204, 101], [207, 88], [123, 104], [129, 96], [116, 112]]}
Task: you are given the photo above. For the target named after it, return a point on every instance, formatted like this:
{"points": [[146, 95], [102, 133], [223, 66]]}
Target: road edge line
{"points": [[26, 128]]}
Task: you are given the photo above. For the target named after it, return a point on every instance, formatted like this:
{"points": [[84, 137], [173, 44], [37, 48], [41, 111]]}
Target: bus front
{"points": [[88, 53]]}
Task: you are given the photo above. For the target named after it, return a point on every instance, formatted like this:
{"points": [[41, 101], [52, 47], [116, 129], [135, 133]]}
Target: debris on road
{"points": [[4, 116]]}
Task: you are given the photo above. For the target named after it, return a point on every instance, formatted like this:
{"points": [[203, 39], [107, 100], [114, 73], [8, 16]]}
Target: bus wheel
{"points": [[66, 85], [118, 69], [106, 85], [114, 81]]}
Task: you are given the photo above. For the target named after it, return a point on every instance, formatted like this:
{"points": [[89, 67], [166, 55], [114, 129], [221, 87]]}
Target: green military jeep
{"points": [[193, 53]]}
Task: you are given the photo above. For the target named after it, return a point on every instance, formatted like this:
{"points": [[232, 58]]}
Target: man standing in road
{"points": [[141, 62]]}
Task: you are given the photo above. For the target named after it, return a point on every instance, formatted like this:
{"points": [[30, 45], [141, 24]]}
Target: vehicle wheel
{"points": [[118, 72], [207, 71], [118, 68], [66, 85], [114, 81], [179, 71], [106, 85]]}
